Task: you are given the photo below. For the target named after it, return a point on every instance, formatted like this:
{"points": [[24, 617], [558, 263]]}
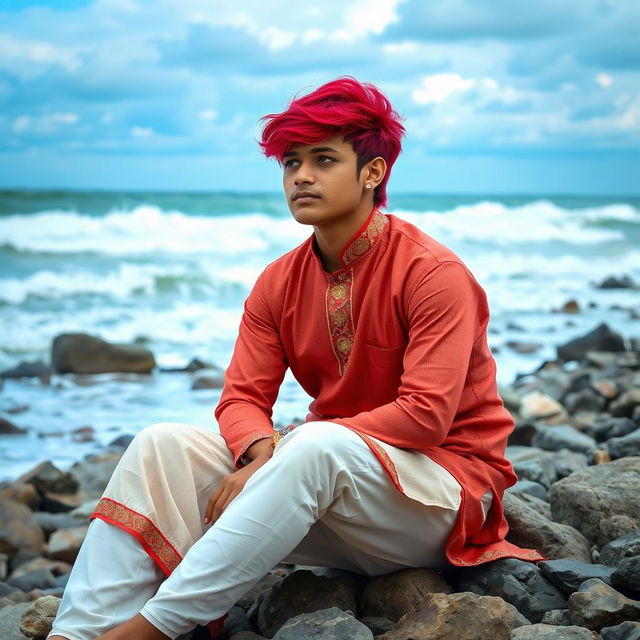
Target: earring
{"points": [[368, 185]]}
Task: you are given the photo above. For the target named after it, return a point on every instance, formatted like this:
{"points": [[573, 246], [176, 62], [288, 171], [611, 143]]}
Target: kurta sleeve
{"points": [[447, 313], [253, 378]]}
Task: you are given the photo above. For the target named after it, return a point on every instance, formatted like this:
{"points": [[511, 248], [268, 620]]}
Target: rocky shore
{"points": [[575, 448]]}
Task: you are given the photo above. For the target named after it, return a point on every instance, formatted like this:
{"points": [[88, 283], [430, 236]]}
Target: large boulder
{"points": [[38, 619], [600, 339], [550, 632], [82, 353], [65, 544], [529, 529], [600, 501], [596, 605], [625, 546], [326, 624], [625, 446], [93, 474], [391, 596], [19, 529], [47, 477], [568, 575], [463, 616], [10, 618]]}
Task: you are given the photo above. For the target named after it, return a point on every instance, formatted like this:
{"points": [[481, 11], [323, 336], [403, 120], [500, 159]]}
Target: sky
{"points": [[497, 96]]}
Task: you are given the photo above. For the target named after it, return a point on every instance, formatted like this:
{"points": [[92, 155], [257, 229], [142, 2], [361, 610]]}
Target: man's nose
{"points": [[304, 174]]}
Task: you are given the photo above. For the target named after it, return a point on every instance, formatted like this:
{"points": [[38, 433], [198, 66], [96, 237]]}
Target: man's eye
{"points": [[289, 163], [325, 159]]}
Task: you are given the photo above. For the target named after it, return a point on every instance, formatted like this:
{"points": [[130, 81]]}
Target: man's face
{"points": [[320, 182]]}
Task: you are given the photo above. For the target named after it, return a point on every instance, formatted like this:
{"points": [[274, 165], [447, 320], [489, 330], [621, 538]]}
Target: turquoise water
{"points": [[174, 269]]}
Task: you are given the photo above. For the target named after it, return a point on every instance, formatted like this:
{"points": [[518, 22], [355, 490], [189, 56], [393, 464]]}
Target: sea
{"points": [[172, 270]]}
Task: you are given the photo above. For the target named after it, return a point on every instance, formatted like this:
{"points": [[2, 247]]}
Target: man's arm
{"points": [[252, 380], [447, 313]]}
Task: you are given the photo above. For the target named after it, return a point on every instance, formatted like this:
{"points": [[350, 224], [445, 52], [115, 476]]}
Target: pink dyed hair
{"points": [[359, 112]]}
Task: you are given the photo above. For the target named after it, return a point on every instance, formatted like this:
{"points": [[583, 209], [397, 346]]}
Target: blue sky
{"points": [[498, 96]]}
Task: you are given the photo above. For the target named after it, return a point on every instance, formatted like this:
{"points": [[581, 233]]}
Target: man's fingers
{"points": [[211, 504]]}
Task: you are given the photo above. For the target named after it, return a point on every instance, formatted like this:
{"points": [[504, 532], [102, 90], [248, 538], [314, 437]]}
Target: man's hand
{"points": [[233, 484]]}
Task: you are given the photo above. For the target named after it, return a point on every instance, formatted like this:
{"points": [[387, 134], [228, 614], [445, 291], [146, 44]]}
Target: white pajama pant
{"points": [[323, 499]]}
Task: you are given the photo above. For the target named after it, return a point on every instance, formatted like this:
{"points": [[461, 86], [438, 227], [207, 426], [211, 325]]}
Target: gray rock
{"points": [[38, 618], [625, 546], [65, 544], [604, 427], [4, 565], [25, 494], [530, 529], [34, 369], [7, 428], [263, 585], [246, 635], [51, 522], [55, 566], [557, 617], [533, 464], [584, 400], [378, 625], [208, 379], [94, 473], [600, 501], [38, 579], [614, 282], [6, 589], [564, 437], [548, 632], [627, 574], [568, 575], [305, 592], [539, 406], [624, 631], [600, 339], [598, 605], [47, 477], [625, 446], [19, 529], [392, 595], [625, 403], [463, 616], [10, 618], [566, 462], [82, 353], [528, 487], [519, 583], [326, 624], [237, 621]]}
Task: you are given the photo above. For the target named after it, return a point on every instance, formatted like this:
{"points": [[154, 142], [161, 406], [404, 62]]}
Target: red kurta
{"points": [[392, 345]]}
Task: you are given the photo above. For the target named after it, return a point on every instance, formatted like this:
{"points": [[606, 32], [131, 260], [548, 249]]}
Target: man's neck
{"points": [[332, 239]]}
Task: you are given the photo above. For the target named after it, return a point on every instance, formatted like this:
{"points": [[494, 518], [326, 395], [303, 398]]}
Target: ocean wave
{"points": [[148, 229]]}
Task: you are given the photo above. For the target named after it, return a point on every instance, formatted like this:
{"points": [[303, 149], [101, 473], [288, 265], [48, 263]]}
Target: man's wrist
{"points": [[262, 448]]}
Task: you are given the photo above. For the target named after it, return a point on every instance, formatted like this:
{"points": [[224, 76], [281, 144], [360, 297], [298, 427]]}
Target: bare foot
{"points": [[138, 627]]}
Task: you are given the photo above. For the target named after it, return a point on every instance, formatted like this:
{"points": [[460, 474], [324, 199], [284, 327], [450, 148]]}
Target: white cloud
{"points": [[66, 118], [604, 80], [208, 115], [439, 86], [141, 132], [20, 124], [29, 58]]}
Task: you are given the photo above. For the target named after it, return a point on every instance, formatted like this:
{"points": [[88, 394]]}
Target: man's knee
{"points": [[314, 439], [162, 434]]}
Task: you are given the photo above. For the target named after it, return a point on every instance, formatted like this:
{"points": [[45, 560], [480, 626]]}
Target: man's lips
{"points": [[304, 195]]}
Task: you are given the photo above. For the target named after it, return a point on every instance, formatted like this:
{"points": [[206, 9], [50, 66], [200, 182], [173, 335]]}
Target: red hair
{"points": [[359, 112]]}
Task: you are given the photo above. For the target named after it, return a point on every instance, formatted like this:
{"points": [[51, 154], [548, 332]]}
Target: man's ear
{"points": [[375, 171]]}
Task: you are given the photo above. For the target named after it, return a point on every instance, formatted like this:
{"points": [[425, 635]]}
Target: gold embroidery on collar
{"points": [[339, 316], [366, 239]]}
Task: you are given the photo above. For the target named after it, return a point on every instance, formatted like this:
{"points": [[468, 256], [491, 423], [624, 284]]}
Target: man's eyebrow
{"points": [[288, 154]]}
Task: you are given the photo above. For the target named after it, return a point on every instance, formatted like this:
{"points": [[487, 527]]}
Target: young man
{"points": [[401, 460]]}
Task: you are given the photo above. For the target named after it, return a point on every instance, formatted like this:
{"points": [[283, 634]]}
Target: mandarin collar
{"points": [[364, 239]]}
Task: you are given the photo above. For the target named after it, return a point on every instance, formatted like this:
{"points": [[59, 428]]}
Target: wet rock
{"points": [[598, 605], [584, 400], [94, 473], [625, 403], [623, 631], [600, 501], [7, 428], [564, 437], [123, 441], [557, 617], [600, 339], [606, 427], [393, 595], [82, 353], [530, 529], [208, 379], [25, 494], [627, 574], [10, 620], [463, 616], [305, 592], [19, 529], [517, 582], [47, 477], [34, 369], [549, 632], [625, 546], [614, 282], [568, 575], [625, 446], [38, 579], [65, 544], [325, 624], [528, 487], [38, 619], [263, 585], [537, 406], [377, 625]]}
